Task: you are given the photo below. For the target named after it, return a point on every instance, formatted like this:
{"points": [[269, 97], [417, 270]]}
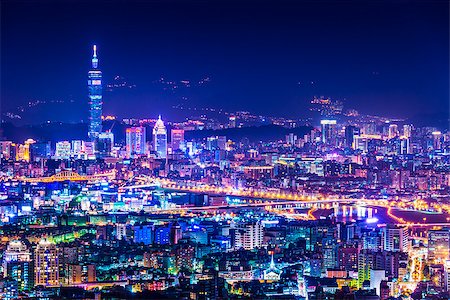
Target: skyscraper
{"points": [[393, 131], [248, 236], [396, 238], [95, 98], [104, 144], [177, 138], [17, 264], [328, 132], [46, 263], [135, 141], [63, 150], [439, 246], [350, 132], [160, 138]]}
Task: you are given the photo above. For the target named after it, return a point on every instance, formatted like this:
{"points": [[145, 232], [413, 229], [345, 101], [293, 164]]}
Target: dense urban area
{"points": [[340, 206]]}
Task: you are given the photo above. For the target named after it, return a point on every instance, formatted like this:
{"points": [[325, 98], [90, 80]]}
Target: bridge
{"points": [[70, 176], [95, 284], [265, 196]]}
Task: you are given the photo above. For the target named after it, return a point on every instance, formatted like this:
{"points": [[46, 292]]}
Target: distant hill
{"points": [[440, 120], [253, 134]]}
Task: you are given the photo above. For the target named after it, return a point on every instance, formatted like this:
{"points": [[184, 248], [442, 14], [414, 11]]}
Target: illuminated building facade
{"points": [[63, 150], [248, 236], [46, 269], [105, 143], [393, 131], [23, 151], [177, 138], [160, 138], [135, 141], [396, 238], [17, 264], [438, 246], [6, 149], [328, 132], [95, 98]]}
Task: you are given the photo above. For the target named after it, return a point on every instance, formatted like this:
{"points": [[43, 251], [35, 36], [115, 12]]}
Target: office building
{"points": [[95, 98], [407, 131], [216, 143], [350, 133], [395, 238], [177, 138], [438, 246], [136, 141], [393, 131], [63, 150], [39, 151], [6, 149], [143, 234], [17, 265], [248, 236], [160, 139], [437, 140], [329, 132], [105, 143], [80, 273], [46, 267]]}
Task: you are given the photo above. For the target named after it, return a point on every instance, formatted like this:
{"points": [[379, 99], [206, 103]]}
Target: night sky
{"points": [[383, 57]]}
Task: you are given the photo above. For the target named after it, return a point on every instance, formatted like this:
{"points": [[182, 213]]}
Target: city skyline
{"points": [[215, 150]]}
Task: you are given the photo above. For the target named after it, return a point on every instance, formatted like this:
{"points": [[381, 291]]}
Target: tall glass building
{"points": [[135, 141], [160, 138], [95, 98]]}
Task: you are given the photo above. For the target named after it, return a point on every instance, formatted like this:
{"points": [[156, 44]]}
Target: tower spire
{"points": [[94, 58]]}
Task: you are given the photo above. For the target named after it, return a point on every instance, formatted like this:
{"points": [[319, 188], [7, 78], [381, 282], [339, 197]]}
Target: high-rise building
{"points": [[17, 265], [46, 268], [216, 143], [160, 138], [63, 150], [177, 138], [121, 231], [78, 273], [162, 235], [248, 236], [135, 141], [105, 143], [439, 246], [329, 132], [6, 149], [350, 133], [393, 131], [396, 238], [95, 98], [437, 140], [175, 233], [39, 151], [407, 131], [23, 151], [143, 234]]}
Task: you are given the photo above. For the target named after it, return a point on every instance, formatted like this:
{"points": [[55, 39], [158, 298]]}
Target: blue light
{"points": [[371, 220]]}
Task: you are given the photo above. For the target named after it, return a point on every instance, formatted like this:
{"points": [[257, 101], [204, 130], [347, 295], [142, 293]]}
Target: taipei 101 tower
{"points": [[95, 98]]}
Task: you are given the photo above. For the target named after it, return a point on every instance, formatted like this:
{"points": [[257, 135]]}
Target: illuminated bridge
{"points": [[71, 176], [143, 182]]}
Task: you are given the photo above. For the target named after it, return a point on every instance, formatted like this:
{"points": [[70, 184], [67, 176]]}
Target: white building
{"points": [[46, 264], [63, 150], [248, 236], [395, 238], [160, 138]]}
